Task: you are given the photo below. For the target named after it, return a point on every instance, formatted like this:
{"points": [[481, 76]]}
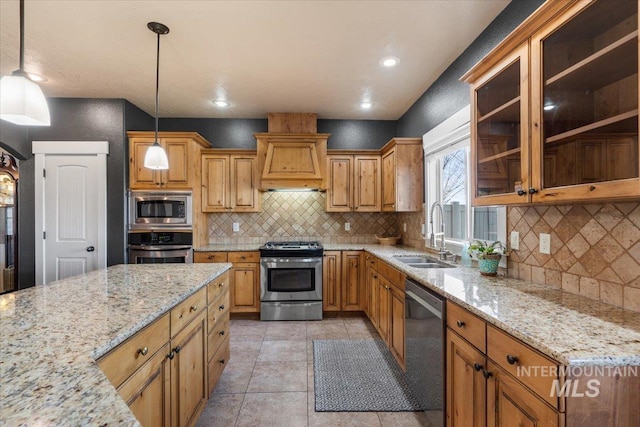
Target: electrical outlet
{"points": [[515, 240], [347, 226], [236, 226], [422, 229], [404, 227], [545, 243]]}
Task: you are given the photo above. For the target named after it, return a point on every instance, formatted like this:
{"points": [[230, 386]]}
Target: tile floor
{"points": [[269, 379]]}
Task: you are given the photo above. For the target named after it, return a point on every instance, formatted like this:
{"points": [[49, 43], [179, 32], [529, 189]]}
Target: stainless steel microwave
{"points": [[153, 209]]}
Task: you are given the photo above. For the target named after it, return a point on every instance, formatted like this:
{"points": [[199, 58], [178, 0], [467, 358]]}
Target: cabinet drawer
{"points": [[217, 310], [467, 325], [209, 257], [123, 360], [244, 256], [217, 286], [524, 363], [138, 381], [219, 333], [394, 276], [188, 310], [217, 364]]}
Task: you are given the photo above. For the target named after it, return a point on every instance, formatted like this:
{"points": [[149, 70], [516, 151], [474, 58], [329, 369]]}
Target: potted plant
{"points": [[487, 255]]}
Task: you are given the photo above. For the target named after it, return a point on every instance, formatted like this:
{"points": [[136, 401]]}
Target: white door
{"points": [[72, 213]]}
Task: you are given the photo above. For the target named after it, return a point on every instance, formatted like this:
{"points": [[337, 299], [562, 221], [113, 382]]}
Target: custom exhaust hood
{"points": [[292, 155]]}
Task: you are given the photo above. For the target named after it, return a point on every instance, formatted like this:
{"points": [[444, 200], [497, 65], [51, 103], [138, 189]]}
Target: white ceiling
{"points": [[262, 56]]}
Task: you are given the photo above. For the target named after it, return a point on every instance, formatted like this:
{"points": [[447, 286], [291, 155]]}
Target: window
{"points": [[447, 183]]}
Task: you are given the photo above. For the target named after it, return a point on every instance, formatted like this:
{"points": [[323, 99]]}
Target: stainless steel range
{"points": [[291, 281]]}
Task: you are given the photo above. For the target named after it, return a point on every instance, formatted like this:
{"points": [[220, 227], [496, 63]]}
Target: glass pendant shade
{"points": [[156, 158], [22, 102]]}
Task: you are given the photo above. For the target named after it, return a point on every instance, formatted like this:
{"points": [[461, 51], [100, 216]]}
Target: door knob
{"points": [[90, 249]]}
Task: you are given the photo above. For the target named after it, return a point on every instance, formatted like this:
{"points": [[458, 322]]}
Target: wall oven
{"points": [[291, 281], [160, 247], [153, 209]]}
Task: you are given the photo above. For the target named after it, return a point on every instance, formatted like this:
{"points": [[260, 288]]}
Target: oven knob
{"points": [[269, 246]]}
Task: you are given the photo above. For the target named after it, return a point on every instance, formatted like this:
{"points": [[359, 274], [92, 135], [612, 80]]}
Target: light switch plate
{"points": [[545, 243], [404, 227], [422, 231], [347, 226], [236, 226], [515, 240]]}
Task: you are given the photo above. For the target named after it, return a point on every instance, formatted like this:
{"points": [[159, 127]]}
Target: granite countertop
{"points": [[227, 248], [51, 336], [569, 328]]}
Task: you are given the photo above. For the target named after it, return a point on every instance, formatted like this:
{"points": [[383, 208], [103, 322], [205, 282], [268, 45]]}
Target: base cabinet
{"points": [[331, 277], [343, 285]]}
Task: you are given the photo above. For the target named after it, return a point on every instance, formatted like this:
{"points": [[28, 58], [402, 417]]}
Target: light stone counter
{"points": [[51, 335], [227, 248]]}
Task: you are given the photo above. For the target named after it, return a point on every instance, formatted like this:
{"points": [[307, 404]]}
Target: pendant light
{"points": [[156, 157], [21, 100]]}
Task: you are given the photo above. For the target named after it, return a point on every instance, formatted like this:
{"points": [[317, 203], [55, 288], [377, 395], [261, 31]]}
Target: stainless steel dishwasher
{"points": [[425, 349]]}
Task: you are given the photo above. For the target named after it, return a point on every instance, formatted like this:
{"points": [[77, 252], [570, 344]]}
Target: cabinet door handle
{"points": [[478, 367], [193, 308], [375, 277], [221, 333], [221, 284], [177, 349], [221, 361], [460, 324], [221, 307], [171, 355], [521, 192], [512, 360], [486, 374], [143, 351], [533, 191]]}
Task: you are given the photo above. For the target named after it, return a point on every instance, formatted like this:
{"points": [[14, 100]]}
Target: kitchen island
{"points": [[52, 335]]}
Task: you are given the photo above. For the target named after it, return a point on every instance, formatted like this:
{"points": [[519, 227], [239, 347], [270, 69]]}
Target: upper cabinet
{"points": [[555, 108], [229, 181], [183, 152], [353, 183], [402, 175]]}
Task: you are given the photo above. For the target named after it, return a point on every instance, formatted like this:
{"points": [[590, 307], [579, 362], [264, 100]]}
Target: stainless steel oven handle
{"points": [[290, 260], [159, 247]]}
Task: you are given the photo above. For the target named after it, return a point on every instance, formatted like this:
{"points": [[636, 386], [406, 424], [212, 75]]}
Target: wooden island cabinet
{"points": [[166, 371]]}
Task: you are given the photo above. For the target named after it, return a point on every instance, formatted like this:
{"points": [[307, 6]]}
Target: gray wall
{"points": [[447, 94]]}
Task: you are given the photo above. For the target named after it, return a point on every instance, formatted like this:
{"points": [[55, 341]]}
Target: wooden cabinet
{"points": [[485, 388], [331, 278], [567, 81], [385, 306], [218, 329], [161, 372], [183, 151], [402, 175], [354, 183], [343, 281], [244, 279], [229, 181]]}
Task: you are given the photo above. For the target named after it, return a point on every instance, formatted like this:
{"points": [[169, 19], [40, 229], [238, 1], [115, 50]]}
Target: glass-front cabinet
{"points": [[499, 157], [556, 119]]}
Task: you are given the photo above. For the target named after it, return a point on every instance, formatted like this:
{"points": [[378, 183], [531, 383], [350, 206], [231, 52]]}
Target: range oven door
{"points": [[160, 254], [291, 279]]}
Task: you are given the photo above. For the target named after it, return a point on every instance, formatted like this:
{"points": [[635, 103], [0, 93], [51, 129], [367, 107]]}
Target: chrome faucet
{"points": [[443, 252]]}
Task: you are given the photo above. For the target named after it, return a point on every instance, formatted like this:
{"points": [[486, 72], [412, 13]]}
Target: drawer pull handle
{"points": [[460, 324], [177, 349], [221, 284], [221, 307], [512, 360], [171, 355], [486, 374], [143, 351], [478, 367], [193, 308], [221, 333], [210, 257], [221, 361], [375, 277]]}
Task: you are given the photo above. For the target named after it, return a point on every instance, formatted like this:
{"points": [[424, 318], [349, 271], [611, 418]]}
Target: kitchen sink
{"points": [[430, 265], [418, 261]]}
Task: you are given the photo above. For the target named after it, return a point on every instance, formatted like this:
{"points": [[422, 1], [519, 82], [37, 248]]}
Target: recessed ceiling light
{"points": [[37, 77], [389, 61], [549, 107], [220, 103], [366, 105]]}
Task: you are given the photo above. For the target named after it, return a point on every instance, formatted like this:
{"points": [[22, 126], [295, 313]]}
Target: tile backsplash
{"points": [[299, 215], [595, 249]]}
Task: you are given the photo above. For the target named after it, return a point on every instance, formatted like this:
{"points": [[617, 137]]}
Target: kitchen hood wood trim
{"points": [[292, 161]]}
